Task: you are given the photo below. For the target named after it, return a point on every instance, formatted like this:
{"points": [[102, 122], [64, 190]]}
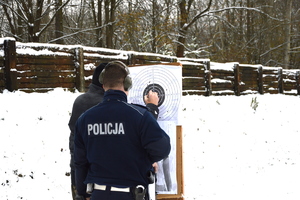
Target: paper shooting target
{"points": [[163, 79]]}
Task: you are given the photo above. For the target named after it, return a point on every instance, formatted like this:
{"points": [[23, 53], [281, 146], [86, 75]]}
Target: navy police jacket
{"points": [[116, 143]]}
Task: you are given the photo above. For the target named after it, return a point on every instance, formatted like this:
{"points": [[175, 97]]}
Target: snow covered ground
{"points": [[232, 149]]}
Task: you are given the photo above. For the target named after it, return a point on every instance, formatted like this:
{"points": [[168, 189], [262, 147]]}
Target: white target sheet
{"points": [[166, 80]]}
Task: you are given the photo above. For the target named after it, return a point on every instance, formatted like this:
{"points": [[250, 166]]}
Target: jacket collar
{"points": [[115, 95], [95, 89]]}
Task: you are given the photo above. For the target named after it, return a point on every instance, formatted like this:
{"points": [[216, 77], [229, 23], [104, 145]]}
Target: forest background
{"points": [[263, 32]]}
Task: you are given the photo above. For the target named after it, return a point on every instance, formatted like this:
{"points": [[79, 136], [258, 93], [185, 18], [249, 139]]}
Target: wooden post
{"points": [[208, 83], [79, 64], [10, 77], [237, 78], [208, 79], [130, 59], [298, 82], [280, 80], [260, 80]]}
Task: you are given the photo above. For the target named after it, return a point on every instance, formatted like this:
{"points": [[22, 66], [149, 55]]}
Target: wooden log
{"points": [[45, 80], [193, 92], [290, 85], [49, 47], [33, 85], [222, 86], [271, 85], [201, 88], [94, 52], [45, 59], [272, 91], [193, 71], [88, 73], [193, 81], [226, 75], [223, 92], [136, 59], [216, 89], [40, 67], [45, 74], [102, 59], [193, 85]]}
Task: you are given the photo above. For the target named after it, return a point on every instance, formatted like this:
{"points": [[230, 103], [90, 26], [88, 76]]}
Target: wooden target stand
{"points": [[179, 170], [179, 157]]}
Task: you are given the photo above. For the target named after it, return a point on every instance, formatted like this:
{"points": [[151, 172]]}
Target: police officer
{"points": [[93, 96], [116, 143]]}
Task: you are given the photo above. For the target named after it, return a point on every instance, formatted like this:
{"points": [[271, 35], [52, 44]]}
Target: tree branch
{"points": [[81, 31], [53, 17], [198, 16], [272, 49], [245, 8]]}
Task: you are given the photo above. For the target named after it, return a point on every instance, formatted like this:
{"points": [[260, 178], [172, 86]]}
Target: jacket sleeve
{"points": [[77, 110], [154, 139], [81, 162], [153, 109]]}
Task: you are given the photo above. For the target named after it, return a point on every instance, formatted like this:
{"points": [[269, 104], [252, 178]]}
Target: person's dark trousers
{"points": [[73, 187], [111, 195]]}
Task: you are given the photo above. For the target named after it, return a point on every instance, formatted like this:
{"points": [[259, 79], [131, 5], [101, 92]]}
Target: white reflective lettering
{"points": [[121, 129], [90, 128], [102, 132], [96, 129], [106, 128], [109, 128]]}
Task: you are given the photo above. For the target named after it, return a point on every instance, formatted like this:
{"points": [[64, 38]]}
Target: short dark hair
{"points": [[114, 75]]}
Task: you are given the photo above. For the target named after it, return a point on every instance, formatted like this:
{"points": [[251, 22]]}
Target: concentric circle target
{"points": [[156, 88], [162, 81]]}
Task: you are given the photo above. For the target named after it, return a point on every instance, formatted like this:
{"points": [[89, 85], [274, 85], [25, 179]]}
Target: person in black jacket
{"points": [[116, 143], [83, 102]]}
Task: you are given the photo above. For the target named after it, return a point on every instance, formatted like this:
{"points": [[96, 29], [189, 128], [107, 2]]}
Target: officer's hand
{"points": [[151, 97], [155, 166]]}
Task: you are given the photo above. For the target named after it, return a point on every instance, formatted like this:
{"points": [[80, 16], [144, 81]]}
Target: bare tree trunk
{"points": [[9, 19], [183, 17], [154, 10], [249, 31], [99, 31], [34, 16], [59, 22], [97, 16], [110, 7], [184, 24], [112, 20], [287, 33], [19, 22]]}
